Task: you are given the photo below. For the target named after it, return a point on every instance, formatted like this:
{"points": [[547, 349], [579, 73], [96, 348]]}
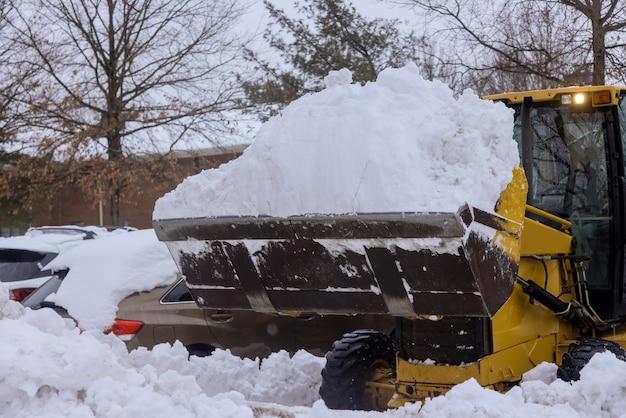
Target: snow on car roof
{"points": [[49, 239], [23, 243], [102, 272]]}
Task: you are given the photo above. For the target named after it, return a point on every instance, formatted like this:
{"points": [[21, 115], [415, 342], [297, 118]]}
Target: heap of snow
{"points": [[51, 369], [401, 144]]}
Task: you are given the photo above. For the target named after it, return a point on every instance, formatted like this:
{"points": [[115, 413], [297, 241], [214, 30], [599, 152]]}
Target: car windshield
{"points": [[16, 265]]}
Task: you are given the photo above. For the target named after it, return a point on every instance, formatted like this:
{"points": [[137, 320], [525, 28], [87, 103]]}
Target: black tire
{"points": [[348, 366], [200, 350], [579, 354]]}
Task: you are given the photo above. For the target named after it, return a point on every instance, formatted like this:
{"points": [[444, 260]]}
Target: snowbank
{"points": [[399, 144], [50, 369]]}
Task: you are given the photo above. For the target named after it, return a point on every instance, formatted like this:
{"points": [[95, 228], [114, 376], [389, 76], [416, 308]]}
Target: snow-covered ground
{"points": [[456, 150], [50, 369]]}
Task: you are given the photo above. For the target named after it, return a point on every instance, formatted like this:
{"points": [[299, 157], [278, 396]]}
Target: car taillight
{"points": [[124, 328], [20, 294]]}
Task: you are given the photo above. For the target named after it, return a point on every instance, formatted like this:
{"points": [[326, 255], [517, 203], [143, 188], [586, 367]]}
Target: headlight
{"points": [[578, 99], [598, 98], [566, 99]]}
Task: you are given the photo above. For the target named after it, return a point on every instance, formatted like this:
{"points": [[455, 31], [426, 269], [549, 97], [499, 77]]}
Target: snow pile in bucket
{"points": [[400, 144]]}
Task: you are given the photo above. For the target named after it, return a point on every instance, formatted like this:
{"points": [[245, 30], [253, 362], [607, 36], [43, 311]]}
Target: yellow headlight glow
{"points": [[579, 98]]}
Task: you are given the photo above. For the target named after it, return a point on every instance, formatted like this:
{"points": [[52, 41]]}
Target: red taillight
{"points": [[124, 328], [19, 294]]}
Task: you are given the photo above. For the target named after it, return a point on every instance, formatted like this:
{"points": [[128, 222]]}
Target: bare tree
{"points": [[538, 45], [529, 43], [17, 77], [607, 19], [6, 91], [124, 77]]}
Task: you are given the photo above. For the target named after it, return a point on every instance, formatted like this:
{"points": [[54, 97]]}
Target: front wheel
{"points": [[579, 354], [359, 372]]}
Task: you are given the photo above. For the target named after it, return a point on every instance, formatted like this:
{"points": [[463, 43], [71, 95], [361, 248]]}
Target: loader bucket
{"points": [[402, 264]]}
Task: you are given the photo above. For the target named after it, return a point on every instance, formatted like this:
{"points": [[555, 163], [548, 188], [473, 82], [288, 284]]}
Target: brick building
{"points": [[136, 211]]}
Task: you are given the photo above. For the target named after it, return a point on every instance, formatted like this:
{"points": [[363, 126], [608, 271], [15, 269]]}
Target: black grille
{"points": [[448, 340]]}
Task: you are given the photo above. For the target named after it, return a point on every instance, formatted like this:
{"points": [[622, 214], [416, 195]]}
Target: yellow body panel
{"points": [[524, 334], [498, 371], [519, 320], [511, 207]]}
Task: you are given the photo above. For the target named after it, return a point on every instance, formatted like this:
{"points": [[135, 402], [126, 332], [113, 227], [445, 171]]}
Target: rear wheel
{"points": [[359, 372], [579, 354], [200, 350]]}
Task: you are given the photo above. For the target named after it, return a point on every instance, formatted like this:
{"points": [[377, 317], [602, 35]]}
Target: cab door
{"points": [[577, 174]]}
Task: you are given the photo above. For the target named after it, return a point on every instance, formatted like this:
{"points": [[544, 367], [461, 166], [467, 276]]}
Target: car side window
{"points": [[178, 293]]}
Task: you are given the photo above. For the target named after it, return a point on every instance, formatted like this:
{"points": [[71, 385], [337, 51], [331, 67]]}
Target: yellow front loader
{"points": [[483, 293]]}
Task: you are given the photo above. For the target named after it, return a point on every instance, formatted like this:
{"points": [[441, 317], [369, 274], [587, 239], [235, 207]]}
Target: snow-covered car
{"points": [[23, 258], [164, 314], [168, 313], [129, 285]]}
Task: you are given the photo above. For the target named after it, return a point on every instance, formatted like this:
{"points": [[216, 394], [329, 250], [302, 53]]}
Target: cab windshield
{"points": [[569, 179]]}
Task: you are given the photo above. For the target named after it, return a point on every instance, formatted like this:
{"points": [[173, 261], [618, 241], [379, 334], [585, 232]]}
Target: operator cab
{"points": [[572, 147]]}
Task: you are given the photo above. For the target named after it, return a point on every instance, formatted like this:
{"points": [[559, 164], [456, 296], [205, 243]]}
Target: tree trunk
{"points": [[114, 140], [598, 43]]}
